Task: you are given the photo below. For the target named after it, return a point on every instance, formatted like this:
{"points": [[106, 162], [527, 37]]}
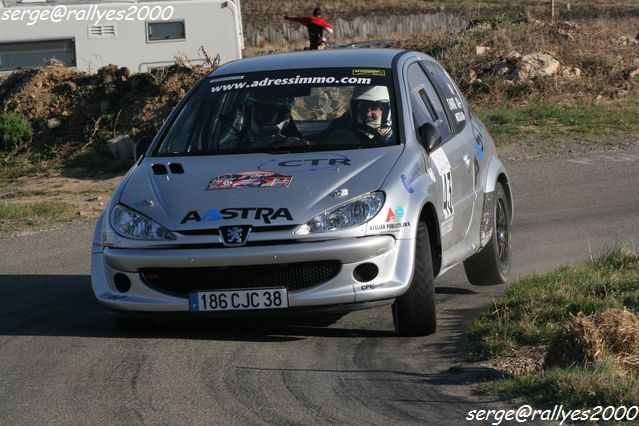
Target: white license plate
{"points": [[238, 300]]}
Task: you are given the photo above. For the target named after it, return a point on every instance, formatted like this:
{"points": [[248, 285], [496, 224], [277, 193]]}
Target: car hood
{"points": [[205, 192]]}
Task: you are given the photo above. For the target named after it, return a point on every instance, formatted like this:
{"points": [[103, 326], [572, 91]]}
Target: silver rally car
{"points": [[308, 182]]}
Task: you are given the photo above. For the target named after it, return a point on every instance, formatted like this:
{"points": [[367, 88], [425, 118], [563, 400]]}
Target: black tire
{"points": [[414, 312], [491, 265]]}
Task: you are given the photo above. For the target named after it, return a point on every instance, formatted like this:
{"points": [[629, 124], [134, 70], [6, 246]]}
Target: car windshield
{"points": [[319, 109]]}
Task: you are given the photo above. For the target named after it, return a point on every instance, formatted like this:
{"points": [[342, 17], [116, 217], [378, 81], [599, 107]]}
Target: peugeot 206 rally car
{"points": [[311, 181]]}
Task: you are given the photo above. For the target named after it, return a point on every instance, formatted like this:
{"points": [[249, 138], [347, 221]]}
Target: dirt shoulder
{"points": [[33, 203]]}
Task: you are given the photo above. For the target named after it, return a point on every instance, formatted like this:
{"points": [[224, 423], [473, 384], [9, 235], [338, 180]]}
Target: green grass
{"points": [[573, 387], [558, 122], [13, 215], [32, 193], [25, 165], [46, 192], [533, 308], [531, 313]]}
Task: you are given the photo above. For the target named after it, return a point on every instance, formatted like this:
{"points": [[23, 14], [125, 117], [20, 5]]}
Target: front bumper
{"points": [[394, 259]]}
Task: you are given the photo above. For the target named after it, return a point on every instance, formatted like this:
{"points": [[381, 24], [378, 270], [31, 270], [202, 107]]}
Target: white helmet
{"points": [[371, 96]]}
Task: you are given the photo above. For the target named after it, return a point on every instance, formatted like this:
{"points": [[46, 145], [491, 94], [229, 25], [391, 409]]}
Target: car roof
{"points": [[330, 58]]}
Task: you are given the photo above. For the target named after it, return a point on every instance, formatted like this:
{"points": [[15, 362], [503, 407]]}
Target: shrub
{"points": [[14, 130]]}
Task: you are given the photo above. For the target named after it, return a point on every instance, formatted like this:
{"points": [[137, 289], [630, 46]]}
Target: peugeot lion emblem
{"points": [[234, 235]]}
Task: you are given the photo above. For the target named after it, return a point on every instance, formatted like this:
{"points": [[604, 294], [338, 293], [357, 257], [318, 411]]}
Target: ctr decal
{"points": [[297, 163], [264, 214]]}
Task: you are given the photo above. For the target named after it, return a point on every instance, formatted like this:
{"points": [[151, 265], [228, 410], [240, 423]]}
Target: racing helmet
{"points": [[371, 97], [268, 113]]}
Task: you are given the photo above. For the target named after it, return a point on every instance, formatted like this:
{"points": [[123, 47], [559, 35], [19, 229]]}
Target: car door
{"points": [[451, 160], [457, 115]]}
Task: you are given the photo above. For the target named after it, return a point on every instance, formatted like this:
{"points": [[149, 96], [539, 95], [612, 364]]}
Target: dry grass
{"points": [[578, 342], [586, 340]]}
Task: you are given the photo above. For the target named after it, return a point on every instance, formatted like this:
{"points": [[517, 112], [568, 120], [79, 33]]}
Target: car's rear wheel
{"points": [[414, 312], [492, 264]]}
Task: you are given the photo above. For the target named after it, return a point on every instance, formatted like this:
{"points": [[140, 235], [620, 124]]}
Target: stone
{"points": [[470, 75], [52, 123], [634, 74], [513, 56], [536, 65], [567, 35], [121, 147], [621, 93], [571, 73], [482, 50]]}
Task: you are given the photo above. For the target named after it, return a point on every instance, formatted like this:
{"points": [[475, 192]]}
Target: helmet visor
{"points": [[270, 115]]}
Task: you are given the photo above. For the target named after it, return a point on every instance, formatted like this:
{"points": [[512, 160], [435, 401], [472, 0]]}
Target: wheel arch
{"points": [[428, 215], [497, 173], [503, 180]]}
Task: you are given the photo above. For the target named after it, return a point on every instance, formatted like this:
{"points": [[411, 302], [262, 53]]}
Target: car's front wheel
{"points": [[492, 264], [414, 312]]}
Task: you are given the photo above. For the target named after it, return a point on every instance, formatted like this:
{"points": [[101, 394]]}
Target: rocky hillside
{"points": [[499, 61]]}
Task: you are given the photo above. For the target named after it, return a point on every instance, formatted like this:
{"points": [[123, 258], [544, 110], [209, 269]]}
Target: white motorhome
{"points": [[139, 35]]}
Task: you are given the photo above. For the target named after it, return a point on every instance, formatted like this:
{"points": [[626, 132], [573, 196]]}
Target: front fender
{"points": [[496, 172]]}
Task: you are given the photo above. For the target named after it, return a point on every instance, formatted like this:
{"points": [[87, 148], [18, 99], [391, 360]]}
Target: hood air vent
{"points": [[176, 168], [159, 169]]}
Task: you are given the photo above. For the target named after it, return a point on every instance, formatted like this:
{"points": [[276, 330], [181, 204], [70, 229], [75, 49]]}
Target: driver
{"points": [[267, 121], [369, 113]]}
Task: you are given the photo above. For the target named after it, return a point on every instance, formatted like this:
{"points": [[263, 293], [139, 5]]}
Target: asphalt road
{"points": [[63, 361]]}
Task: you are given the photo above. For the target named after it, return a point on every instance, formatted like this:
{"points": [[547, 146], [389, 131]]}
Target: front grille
{"points": [[293, 276], [216, 231]]}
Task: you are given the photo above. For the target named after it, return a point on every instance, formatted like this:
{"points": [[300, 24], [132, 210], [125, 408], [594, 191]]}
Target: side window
{"points": [[163, 31], [425, 103], [453, 102]]}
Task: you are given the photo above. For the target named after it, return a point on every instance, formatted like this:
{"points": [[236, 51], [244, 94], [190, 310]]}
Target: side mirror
{"points": [[430, 137], [140, 147]]}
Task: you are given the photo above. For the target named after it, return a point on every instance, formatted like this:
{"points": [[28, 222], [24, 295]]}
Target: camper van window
{"points": [[36, 53], [160, 31]]}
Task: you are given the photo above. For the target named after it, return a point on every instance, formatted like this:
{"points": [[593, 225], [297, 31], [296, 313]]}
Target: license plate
{"points": [[238, 300]]}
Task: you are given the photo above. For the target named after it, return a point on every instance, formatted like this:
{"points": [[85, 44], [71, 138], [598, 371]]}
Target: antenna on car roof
{"points": [[364, 44]]}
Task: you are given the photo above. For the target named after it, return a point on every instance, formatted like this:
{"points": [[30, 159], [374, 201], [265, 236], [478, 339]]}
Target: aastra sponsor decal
{"points": [[264, 214]]}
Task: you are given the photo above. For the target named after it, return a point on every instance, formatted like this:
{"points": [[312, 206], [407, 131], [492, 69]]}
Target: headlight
{"points": [[355, 213], [129, 223]]}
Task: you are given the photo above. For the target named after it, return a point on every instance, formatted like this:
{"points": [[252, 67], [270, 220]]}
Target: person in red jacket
{"points": [[316, 26]]}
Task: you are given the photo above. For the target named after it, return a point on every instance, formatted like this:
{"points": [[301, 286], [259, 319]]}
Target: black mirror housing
{"points": [[141, 146], [430, 137]]}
